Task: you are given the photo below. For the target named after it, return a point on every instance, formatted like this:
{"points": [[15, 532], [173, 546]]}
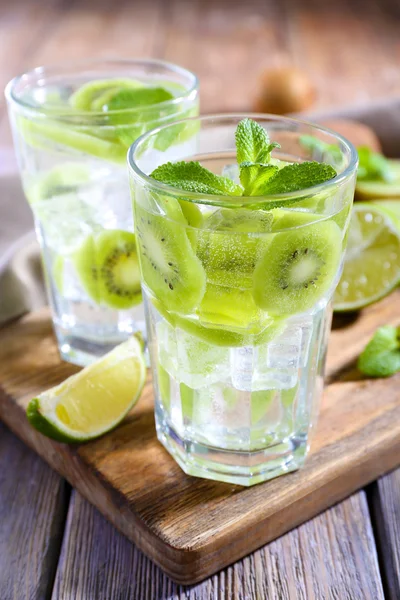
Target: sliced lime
{"points": [[369, 190], [94, 400], [392, 206], [372, 263]]}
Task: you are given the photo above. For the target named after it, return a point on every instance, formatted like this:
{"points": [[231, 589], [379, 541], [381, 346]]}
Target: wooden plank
{"points": [[332, 556], [33, 507], [385, 503], [357, 439]]}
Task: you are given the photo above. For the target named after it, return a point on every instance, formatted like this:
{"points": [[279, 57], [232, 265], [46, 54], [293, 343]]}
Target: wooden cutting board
{"points": [[192, 527]]}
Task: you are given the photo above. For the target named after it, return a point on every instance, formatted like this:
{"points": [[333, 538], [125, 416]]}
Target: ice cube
{"points": [[275, 365], [241, 360], [284, 351], [232, 172], [167, 348], [305, 323], [199, 363]]}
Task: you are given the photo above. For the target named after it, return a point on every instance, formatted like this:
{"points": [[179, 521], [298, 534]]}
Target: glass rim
{"points": [[54, 113], [220, 199]]}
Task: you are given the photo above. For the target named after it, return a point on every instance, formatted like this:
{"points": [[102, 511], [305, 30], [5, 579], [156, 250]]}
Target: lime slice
{"points": [[369, 190], [392, 206], [372, 263], [94, 400]]}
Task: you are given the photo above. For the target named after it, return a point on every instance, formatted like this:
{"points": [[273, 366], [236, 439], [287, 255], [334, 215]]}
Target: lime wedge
{"points": [[369, 190], [391, 206], [94, 400], [372, 262]]}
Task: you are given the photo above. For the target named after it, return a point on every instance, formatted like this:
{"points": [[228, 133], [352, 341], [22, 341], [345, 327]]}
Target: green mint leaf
{"points": [[138, 98], [252, 143], [373, 166], [130, 125], [298, 176], [320, 149], [381, 356], [192, 177], [253, 176]]}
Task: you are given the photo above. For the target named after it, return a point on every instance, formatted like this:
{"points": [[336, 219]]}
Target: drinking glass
{"points": [[237, 295], [71, 132]]}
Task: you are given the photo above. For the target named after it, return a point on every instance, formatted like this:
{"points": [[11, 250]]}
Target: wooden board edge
{"points": [[188, 566]]}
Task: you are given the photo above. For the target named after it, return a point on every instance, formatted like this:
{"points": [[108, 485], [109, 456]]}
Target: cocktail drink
{"points": [[240, 251], [72, 127]]}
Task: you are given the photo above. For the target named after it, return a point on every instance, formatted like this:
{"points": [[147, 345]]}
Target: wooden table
{"points": [[52, 543]]}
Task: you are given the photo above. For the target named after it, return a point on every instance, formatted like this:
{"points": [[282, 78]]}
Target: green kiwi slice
{"points": [[228, 245], [108, 268], [287, 219], [222, 336], [297, 268], [170, 267], [232, 308], [370, 190], [93, 95]]}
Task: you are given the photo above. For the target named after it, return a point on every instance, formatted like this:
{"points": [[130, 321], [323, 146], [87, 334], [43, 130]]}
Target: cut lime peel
{"points": [[391, 223], [42, 410]]}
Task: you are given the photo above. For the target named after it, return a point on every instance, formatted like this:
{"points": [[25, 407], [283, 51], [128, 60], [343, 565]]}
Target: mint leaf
{"points": [[252, 143], [253, 176], [192, 177], [373, 166], [381, 356], [130, 125], [139, 97], [298, 176], [320, 149]]}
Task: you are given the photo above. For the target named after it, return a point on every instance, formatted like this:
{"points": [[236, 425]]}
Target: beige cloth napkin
{"points": [[21, 279]]}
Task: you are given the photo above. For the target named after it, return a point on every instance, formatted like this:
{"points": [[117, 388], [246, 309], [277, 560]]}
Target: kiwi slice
{"points": [[229, 246], [170, 267], [192, 213], [370, 190], [108, 267], [222, 336], [164, 386], [85, 262], [297, 268], [231, 308], [93, 95], [287, 219], [62, 179]]}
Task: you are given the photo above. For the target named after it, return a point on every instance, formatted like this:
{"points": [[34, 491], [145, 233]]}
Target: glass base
{"points": [[245, 468], [85, 343], [83, 352]]}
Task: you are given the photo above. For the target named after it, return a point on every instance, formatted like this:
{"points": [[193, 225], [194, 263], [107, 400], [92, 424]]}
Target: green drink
{"points": [[240, 252], [72, 127]]}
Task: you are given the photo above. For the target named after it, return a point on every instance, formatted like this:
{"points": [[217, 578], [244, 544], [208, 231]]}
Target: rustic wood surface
{"points": [[351, 52], [333, 557], [357, 439], [385, 502], [33, 507]]}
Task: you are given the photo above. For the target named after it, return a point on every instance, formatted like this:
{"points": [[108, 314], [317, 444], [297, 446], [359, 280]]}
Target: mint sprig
{"points": [[381, 356], [257, 175], [373, 166], [297, 176], [253, 176], [252, 143], [321, 149], [192, 177], [138, 98]]}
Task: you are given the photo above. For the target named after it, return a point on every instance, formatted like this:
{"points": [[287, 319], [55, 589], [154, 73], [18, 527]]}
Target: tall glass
{"points": [[72, 131], [237, 296]]}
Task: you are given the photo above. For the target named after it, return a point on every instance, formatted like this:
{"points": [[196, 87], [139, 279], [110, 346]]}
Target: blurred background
{"points": [[347, 50]]}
